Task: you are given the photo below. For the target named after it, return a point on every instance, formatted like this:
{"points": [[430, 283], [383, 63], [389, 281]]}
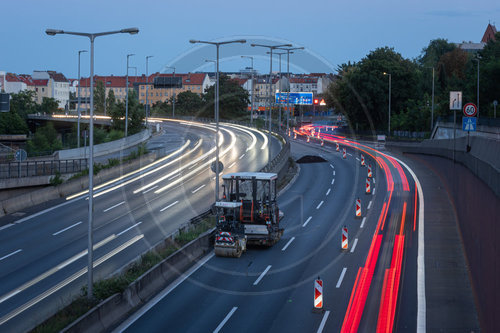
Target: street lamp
{"points": [[126, 97], [217, 45], [271, 48], [432, 107], [78, 107], [147, 86], [477, 59], [253, 91], [173, 91], [279, 85], [215, 69], [289, 51], [92, 37], [389, 121]]}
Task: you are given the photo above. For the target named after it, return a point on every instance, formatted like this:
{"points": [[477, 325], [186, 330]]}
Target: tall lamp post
{"points": [[92, 37], [147, 86], [173, 91], [215, 70], [288, 52], [271, 48], [477, 59], [253, 91], [432, 107], [78, 107], [389, 121], [217, 46], [126, 97], [279, 54]]}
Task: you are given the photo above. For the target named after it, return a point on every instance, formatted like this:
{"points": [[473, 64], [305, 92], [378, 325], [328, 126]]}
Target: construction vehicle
{"points": [[248, 213]]}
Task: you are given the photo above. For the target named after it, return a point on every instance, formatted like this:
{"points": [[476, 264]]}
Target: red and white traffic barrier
{"points": [[322, 143], [308, 138], [344, 239], [368, 186], [358, 207], [337, 148], [370, 175], [362, 160], [344, 154], [295, 136], [319, 132], [318, 294], [289, 133]]}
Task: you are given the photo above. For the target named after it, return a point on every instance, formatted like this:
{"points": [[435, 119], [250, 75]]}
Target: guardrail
{"points": [[41, 168]]}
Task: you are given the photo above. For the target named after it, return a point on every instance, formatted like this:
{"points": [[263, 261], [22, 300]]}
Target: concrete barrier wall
{"points": [[114, 309], [23, 201], [104, 148], [483, 159]]}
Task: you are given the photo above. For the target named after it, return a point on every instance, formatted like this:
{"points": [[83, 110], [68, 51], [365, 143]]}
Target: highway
{"points": [[43, 256], [376, 284]]}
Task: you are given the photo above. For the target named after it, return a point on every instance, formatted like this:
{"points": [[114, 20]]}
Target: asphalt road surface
{"points": [[374, 284], [43, 257]]}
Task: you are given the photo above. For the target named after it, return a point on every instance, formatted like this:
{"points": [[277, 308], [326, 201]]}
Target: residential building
{"points": [[52, 84], [11, 83], [472, 47], [161, 87]]}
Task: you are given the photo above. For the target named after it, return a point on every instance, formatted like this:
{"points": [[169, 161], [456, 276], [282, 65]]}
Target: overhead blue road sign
{"points": [[296, 98], [469, 123]]}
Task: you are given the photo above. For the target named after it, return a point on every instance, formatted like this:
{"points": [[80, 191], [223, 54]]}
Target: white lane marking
{"points": [[199, 188], [373, 180], [114, 206], [65, 229], [333, 181], [363, 222], [354, 245], [80, 255], [421, 301], [129, 228], [373, 192], [334, 172], [150, 189], [358, 158], [6, 226], [321, 203], [307, 221], [331, 166], [339, 282], [241, 156], [349, 154], [328, 192], [167, 207], [262, 275], [225, 319], [289, 242], [60, 285], [174, 176], [192, 166], [232, 165], [133, 318], [10, 254], [369, 205], [323, 322]]}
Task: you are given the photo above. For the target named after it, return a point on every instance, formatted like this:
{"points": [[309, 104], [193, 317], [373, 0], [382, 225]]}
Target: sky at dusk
{"points": [[333, 32]]}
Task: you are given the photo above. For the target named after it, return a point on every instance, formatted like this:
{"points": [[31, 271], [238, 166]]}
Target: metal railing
{"points": [[41, 168]]}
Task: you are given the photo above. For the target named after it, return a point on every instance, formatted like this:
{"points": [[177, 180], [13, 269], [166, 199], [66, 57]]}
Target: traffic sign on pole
{"points": [[469, 124], [21, 155], [455, 100], [470, 110]]}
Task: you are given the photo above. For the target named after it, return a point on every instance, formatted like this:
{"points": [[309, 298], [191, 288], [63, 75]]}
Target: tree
{"points": [[45, 140], [361, 92], [110, 101], [99, 98], [12, 123], [489, 75], [49, 105], [188, 102], [233, 100], [135, 114], [23, 103]]}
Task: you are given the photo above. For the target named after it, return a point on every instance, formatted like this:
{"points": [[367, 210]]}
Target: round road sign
{"points": [[470, 109], [221, 166]]}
